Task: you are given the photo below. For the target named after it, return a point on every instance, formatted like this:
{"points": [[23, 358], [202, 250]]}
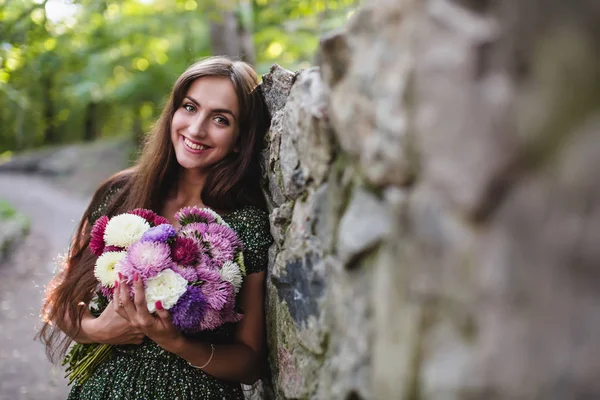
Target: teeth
{"points": [[192, 145]]}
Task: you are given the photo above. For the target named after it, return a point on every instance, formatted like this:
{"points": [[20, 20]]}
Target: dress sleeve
{"points": [[256, 236]]}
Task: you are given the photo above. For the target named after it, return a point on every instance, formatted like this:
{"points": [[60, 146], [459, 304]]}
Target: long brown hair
{"points": [[232, 183]]}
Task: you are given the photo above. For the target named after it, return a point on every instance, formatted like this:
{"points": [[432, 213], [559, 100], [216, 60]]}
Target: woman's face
{"points": [[205, 127]]}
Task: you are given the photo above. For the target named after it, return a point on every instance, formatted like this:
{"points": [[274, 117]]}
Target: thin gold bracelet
{"points": [[212, 353]]}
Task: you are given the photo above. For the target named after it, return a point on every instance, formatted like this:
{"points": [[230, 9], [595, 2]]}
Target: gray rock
{"points": [[276, 86], [365, 223]]}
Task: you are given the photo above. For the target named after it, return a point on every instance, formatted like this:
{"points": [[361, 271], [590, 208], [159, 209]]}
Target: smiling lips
{"points": [[194, 146]]}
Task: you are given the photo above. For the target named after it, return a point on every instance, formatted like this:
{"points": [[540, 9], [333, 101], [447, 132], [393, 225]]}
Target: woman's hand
{"points": [[111, 328], [157, 327]]}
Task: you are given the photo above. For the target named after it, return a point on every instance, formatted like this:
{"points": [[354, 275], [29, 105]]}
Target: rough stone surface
{"points": [[436, 206]]}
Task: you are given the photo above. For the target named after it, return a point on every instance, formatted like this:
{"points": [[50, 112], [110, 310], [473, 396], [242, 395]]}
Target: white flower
{"points": [[107, 267], [167, 287], [124, 229], [231, 273]]}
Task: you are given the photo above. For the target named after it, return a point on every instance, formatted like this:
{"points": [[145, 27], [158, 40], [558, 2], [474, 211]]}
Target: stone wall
{"points": [[436, 206]]}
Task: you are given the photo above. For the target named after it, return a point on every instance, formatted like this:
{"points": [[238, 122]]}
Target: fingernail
{"points": [[120, 276], [158, 305], [116, 284], [136, 277]]}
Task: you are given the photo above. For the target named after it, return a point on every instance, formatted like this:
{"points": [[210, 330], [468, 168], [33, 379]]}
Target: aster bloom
{"points": [[217, 293], [188, 215], [160, 233], [166, 287], [97, 235], [189, 311], [184, 251], [189, 273], [160, 220], [113, 248], [222, 243], [147, 259], [125, 229], [107, 292], [107, 266], [230, 272]]}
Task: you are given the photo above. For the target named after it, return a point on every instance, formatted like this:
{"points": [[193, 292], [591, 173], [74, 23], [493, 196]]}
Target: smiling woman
{"points": [[203, 151]]}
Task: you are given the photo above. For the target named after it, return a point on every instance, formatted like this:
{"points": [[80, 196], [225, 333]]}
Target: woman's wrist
{"points": [[88, 330]]}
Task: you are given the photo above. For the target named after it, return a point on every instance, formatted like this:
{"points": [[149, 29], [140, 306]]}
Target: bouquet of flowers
{"points": [[195, 271]]}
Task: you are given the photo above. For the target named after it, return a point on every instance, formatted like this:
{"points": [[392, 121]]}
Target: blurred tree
{"points": [[79, 70]]}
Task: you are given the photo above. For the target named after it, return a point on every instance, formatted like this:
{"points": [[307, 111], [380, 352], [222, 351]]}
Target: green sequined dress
{"points": [[147, 372]]}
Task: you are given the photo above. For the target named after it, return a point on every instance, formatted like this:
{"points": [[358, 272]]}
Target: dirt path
{"points": [[25, 373]]}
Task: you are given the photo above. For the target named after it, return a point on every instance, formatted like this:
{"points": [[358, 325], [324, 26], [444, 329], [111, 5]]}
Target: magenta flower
{"points": [[97, 235], [148, 215], [112, 248], [188, 215], [184, 251], [107, 292], [189, 311], [147, 259], [160, 220], [153, 218]]}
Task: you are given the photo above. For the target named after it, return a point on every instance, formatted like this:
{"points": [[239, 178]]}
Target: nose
{"points": [[197, 125]]}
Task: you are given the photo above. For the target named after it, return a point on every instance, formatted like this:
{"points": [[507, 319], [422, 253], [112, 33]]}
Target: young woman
{"points": [[204, 151]]}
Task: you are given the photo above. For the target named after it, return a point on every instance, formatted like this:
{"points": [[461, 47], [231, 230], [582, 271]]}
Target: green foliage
{"points": [[73, 71], [6, 210]]}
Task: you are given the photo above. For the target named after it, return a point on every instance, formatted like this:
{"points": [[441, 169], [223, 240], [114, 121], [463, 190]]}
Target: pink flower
{"points": [[107, 292], [97, 235], [217, 293], [222, 243], [147, 259], [188, 273], [188, 215]]}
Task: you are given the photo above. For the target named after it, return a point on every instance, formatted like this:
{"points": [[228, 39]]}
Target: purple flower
{"points": [[147, 259], [185, 251], [188, 273], [207, 274], [188, 215], [160, 233], [189, 311]]}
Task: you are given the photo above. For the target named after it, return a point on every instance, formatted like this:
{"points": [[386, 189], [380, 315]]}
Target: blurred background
{"points": [[81, 70], [81, 82]]}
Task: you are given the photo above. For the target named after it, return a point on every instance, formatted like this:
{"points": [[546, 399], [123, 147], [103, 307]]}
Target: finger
{"points": [[116, 303], [146, 319], [163, 315], [127, 304]]}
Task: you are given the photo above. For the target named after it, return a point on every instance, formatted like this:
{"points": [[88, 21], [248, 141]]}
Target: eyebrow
{"points": [[217, 110]]}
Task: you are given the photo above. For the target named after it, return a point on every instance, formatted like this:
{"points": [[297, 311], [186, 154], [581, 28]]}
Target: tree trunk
{"points": [[230, 37], [49, 130], [90, 131]]}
